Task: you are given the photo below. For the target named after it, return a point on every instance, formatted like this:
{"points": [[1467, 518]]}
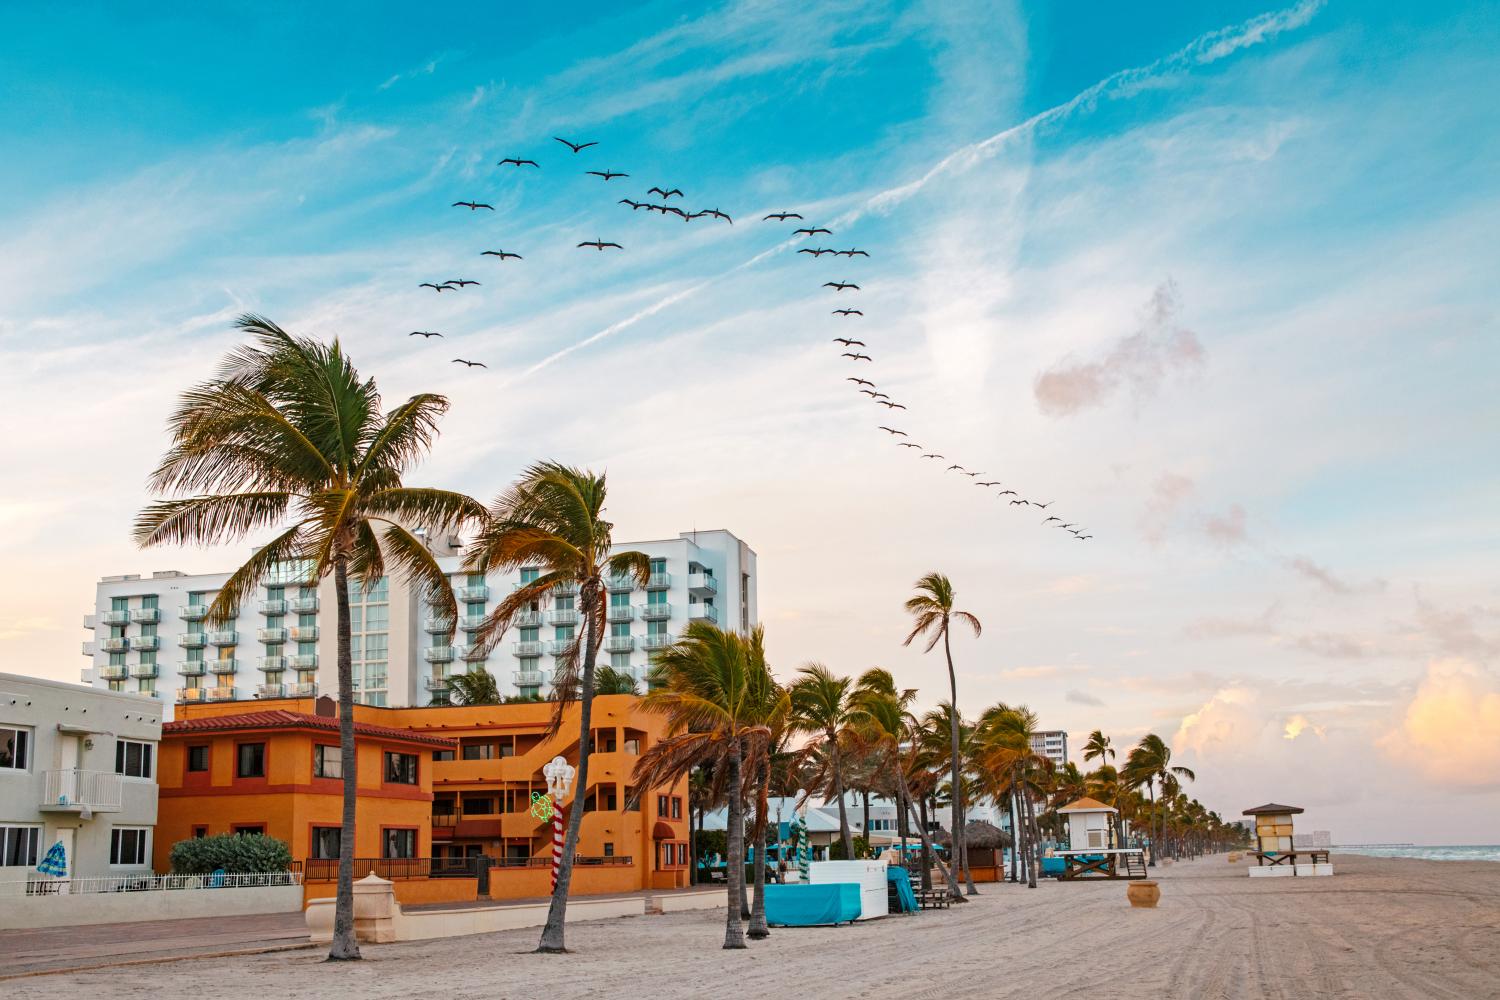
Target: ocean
{"points": [[1458, 852]]}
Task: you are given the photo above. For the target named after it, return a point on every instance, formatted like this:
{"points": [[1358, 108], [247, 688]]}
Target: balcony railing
{"points": [[271, 690], [276, 607], [223, 666], [562, 616], [327, 870], [193, 612], [307, 689], [438, 624], [147, 642], [192, 640], [659, 581], [438, 654], [72, 789], [702, 583], [567, 589], [703, 613], [192, 694], [437, 683], [224, 638], [526, 648], [561, 647], [655, 642], [302, 605], [115, 617], [303, 661], [146, 616], [619, 613], [474, 623], [112, 673], [192, 668], [303, 633], [90, 648], [528, 618], [275, 636], [656, 612], [114, 645], [143, 670], [619, 643], [273, 664], [620, 584], [527, 678], [221, 694], [478, 592]]}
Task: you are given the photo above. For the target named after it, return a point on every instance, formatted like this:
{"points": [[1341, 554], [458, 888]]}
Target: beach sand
{"points": [[1380, 928]]}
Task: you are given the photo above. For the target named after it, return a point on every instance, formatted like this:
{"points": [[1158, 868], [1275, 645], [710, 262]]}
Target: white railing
{"points": [[42, 885], [619, 613], [74, 787], [619, 643], [703, 613], [562, 616], [656, 612], [703, 582]]}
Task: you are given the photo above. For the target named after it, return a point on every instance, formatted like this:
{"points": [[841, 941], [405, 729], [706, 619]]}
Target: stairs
{"points": [[1135, 865]]}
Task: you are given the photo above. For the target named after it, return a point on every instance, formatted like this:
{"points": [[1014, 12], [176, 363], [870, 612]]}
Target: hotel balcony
{"points": [[656, 612], [193, 640], [703, 613], [560, 647], [651, 643], [221, 694], [222, 667], [192, 668], [562, 616], [274, 636], [619, 613], [526, 648], [527, 678], [272, 664], [193, 612], [568, 589], [474, 593], [303, 633], [114, 617], [114, 645], [474, 623], [438, 654], [147, 642], [473, 654], [90, 648], [303, 661], [620, 584], [192, 694], [702, 585], [91, 622], [659, 581], [306, 689], [225, 638], [527, 619], [271, 691], [113, 673], [437, 683], [146, 670], [619, 643], [302, 605], [277, 607], [146, 616], [438, 624], [73, 790]]}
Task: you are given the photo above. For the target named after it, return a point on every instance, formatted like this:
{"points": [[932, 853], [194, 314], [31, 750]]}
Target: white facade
{"points": [[1052, 744], [77, 766], [150, 637]]}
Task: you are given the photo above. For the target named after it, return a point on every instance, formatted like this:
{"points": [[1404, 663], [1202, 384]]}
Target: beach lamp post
{"points": [[559, 774]]}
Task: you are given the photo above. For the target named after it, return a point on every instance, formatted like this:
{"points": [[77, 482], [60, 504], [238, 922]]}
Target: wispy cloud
{"points": [[422, 69]]}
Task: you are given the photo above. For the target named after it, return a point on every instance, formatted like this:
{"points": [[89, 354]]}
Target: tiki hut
{"points": [[985, 841]]}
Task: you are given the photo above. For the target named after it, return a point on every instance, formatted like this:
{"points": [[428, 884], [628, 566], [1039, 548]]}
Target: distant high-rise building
{"points": [[1052, 744], [150, 636]]}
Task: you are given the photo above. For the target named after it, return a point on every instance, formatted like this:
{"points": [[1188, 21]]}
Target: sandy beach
{"points": [[1380, 928]]}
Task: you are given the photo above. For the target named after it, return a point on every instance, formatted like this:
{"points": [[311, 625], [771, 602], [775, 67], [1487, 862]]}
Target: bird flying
{"points": [[993, 482], [892, 430], [575, 146], [1022, 502], [870, 392], [1044, 506], [1053, 518], [971, 475], [848, 342], [600, 245], [839, 286], [502, 254], [782, 216], [856, 357], [665, 192], [847, 312], [1004, 492], [608, 175], [424, 334], [860, 381], [1083, 538], [908, 444], [460, 282], [471, 364], [518, 163], [813, 231], [472, 205], [895, 406], [934, 456], [715, 213], [444, 287], [952, 467], [851, 253], [634, 204]]}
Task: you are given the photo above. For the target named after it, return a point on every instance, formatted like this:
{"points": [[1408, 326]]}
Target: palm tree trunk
{"points": [[926, 861], [958, 792], [1151, 790], [838, 789], [866, 793], [905, 795], [344, 946], [692, 842], [758, 929], [734, 929], [552, 932], [1015, 836], [1034, 846]]}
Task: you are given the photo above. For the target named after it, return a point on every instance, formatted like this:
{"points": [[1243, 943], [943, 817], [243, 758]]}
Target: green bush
{"points": [[836, 849], [236, 853], [711, 842]]}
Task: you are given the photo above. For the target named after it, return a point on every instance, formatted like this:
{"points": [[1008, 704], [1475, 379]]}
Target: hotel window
{"points": [[328, 762], [250, 760], [14, 746], [399, 844], [478, 751], [633, 745], [658, 566], [400, 768], [479, 805], [656, 597], [199, 832], [609, 850], [127, 845], [619, 599], [438, 755], [528, 574], [133, 758], [325, 842], [676, 807], [619, 630], [564, 633], [248, 829], [619, 661], [661, 805], [18, 846], [197, 758]]}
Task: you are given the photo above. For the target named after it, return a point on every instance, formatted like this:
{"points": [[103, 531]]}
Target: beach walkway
{"points": [[1381, 928]]}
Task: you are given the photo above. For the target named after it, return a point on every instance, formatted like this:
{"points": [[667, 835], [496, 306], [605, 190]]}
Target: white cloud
{"points": [[1449, 731]]}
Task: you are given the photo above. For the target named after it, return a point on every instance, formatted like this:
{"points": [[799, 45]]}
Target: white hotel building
{"points": [[150, 636]]}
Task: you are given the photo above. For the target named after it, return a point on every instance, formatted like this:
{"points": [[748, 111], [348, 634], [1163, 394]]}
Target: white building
{"points": [[150, 636], [1052, 744], [77, 766]]}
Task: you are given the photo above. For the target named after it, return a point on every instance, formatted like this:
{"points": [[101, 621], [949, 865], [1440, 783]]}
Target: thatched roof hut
{"points": [[980, 835]]}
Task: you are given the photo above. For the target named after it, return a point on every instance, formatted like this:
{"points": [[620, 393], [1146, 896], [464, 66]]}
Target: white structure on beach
{"points": [[77, 766], [150, 636]]}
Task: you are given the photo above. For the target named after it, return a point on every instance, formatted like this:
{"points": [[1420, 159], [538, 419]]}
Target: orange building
{"points": [[479, 767]]}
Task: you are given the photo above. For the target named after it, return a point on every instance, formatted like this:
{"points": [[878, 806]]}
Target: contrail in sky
{"points": [[1201, 51]]}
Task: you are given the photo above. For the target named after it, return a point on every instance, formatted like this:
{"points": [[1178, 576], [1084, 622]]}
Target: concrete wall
{"points": [[114, 907], [412, 891]]}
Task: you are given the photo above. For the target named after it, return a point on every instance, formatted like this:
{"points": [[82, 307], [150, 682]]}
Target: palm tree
{"points": [[1150, 764], [771, 710], [1003, 748], [608, 680], [552, 521], [821, 705], [932, 606], [477, 687], [1098, 748], [287, 431], [704, 686]]}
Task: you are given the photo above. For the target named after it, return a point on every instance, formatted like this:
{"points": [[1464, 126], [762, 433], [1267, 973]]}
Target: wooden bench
{"points": [[933, 899]]}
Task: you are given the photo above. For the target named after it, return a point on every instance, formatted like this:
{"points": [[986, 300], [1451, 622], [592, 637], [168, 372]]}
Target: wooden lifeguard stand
{"points": [[1093, 850], [1275, 851]]}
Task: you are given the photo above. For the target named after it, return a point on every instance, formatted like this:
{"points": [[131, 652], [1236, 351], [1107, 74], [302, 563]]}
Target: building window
{"points": [[133, 758], [633, 746], [676, 807], [248, 829], [250, 760], [18, 846], [325, 842], [127, 845], [399, 844], [14, 746], [438, 755], [197, 758], [479, 751], [199, 832], [328, 762], [609, 850], [400, 768], [662, 805]]}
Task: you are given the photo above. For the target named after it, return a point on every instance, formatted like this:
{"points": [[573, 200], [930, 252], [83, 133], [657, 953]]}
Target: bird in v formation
{"points": [[576, 147], [516, 162]]}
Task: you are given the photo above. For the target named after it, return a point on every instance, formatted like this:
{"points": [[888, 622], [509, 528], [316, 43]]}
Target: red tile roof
{"points": [[282, 719]]}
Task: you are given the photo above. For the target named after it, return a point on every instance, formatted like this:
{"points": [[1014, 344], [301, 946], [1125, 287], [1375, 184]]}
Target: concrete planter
{"points": [[1144, 894], [1234, 857]]}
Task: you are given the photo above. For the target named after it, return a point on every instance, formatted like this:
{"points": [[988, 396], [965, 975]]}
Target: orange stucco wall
{"points": [[409, 891]]}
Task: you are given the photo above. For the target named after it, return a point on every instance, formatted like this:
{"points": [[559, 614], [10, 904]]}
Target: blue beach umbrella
{"points": [[56, 861]]}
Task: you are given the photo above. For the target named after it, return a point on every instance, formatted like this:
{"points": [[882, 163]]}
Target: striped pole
{"points": [[557, 839]]}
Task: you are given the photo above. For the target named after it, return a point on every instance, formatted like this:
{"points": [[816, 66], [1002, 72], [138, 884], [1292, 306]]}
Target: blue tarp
{"points": [[1053, 866], [803, 905], [904, 896]]}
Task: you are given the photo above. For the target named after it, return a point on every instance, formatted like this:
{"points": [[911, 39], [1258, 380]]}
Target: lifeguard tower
{"points": [[1093, 850], [1276, 852]]}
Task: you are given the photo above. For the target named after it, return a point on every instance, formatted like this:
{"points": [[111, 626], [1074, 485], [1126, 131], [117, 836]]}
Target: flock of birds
{"points": [[854, 348]]}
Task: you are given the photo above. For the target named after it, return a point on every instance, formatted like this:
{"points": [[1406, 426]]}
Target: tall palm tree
{"points": [[821, 705], [475, 687], [1098, 748], [287, 433], [1150, 764], [552, 520], [608, 680], [704, 685], [932, 607], [1003, 748]]}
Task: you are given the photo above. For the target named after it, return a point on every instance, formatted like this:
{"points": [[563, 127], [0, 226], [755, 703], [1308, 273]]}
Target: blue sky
{"points": [[1218, 278]]}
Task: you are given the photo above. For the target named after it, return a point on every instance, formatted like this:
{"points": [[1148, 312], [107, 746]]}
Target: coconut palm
{"points": [[1150, 764], [476, 687], [821, 705], [608, 680], [287, 433], [706, 689], [771, 709], [934, 738], [1003, 748], [1098, 748], [932, 607], [552, 520]]}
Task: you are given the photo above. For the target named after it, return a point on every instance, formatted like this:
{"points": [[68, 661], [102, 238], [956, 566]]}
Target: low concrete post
{"points": [[375, 909]]}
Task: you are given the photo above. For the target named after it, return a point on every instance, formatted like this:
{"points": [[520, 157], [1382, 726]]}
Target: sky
{"points": [[1217, 280]]}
